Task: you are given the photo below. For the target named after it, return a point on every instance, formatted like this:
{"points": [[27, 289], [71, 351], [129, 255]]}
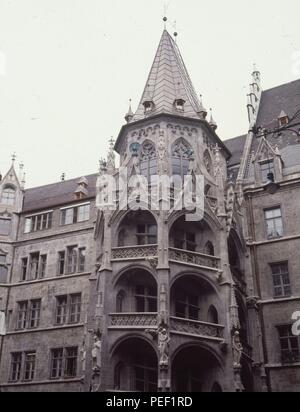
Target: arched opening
{"points": [[135, 366], [193, 298], [192, 236], [120, 301], [148, 160], [208, 162], [195, 369], [136, 292], [212, 315], [209, 249], [137, 228], [8, 196], [181, 154]]}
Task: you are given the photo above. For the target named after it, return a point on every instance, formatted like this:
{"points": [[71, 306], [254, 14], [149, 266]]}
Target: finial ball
{"points": [[165, 19]]}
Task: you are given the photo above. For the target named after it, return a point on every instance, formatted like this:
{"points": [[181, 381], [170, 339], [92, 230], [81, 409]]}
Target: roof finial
{"points": [[129, 115], [165, 19], [13, 157], [212, 122]]}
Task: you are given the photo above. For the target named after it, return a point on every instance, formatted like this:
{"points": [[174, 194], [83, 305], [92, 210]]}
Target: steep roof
{"points": [[168, 80], [236, 147], [56, 194]]}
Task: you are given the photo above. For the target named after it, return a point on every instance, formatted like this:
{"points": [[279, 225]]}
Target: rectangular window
{"points": [[43, 265], [22, 315], [63, 363], [83, 213], [61, 309], [71, 362], [3, 274], [5, 227], [15, 369], [29, 366], [146, 234], [289, 345], [273, 218], [72, 260], [3, 269], [24, 269], [75, 308], [75, 214], [38, 222], [34, 265], [146, 299], [34, 314], [56, 363], [281, 279], [265, 169], [81, 265], [61, 262]]}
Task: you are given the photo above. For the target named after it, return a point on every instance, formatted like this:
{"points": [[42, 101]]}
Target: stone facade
{"points": [[97, 299]]}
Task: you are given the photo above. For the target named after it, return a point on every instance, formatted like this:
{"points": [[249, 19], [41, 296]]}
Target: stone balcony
{"points": [[194, 328], [133, 321], [179, 326], [193, 259], [186, 257], [134, 253]]}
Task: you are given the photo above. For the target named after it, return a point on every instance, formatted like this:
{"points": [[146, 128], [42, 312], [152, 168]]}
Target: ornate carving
{"points": [[146, 320], [237, 349], [96, 352], [134, 252], [207, 161], [193, 327], [182, 149], [193, 258], [148, 151], [162, 153], [163, 347]]}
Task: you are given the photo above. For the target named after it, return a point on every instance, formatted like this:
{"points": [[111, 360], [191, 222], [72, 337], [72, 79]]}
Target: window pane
{"points": [[83, 213], [5, 227], [8, 196], [56, 363], [29, 366], [71, 363]]}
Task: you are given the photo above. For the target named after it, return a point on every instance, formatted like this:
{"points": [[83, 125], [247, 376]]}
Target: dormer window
{"points": [[283, 119], [149, 106], [179, 105], [267, 171], [8, 196]]}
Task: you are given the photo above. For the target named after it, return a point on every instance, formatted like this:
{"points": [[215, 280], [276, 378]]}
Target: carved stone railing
{"points": [[133, 320], [193, 327], [193, 258], [134, 252]]}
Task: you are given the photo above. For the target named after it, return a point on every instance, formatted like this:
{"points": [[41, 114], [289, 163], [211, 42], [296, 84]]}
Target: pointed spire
{"points": [[129, 115], [168, 84], [111, 157], [212, 122], [202, 111]]}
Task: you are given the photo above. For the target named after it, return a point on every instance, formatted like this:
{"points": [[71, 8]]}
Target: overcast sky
{"points": [[72, 65]]}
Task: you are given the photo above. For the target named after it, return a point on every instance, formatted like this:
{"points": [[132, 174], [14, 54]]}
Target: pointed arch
{"points": [[209, 249], [181, 154], [213, 315], [148, 159], [208, 162]]}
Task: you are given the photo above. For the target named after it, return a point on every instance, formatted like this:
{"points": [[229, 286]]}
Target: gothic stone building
{"points": [[94, 299]]}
